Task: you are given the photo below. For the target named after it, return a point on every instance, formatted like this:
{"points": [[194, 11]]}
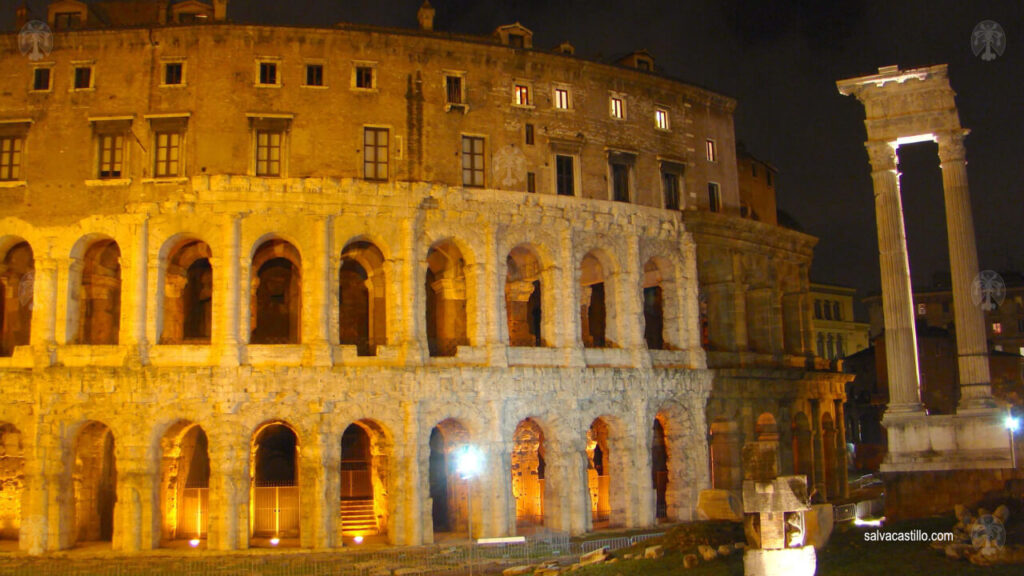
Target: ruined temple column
{"points": [[841, 472], [817, 439], [969, 319], [897, 300]]}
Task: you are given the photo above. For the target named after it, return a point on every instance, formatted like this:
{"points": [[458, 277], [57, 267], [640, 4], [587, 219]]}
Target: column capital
{"points": [[951, 146], [882, 155]]}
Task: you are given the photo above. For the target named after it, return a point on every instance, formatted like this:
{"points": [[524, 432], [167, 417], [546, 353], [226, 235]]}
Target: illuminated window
{"points": [[83, 78], [111, 155], [714, 197], [10, 157], [711, 150], [615, 108], [268, 152], [167, 154], [375, 153], [661, 118], [922, 309], [41, 79], [522, 94], [561, 98], [365, 77], [268, 74], [472, 161], [997, 328], [314, 74]]}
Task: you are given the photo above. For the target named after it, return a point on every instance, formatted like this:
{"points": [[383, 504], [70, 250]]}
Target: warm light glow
{"points": [[875, 523], [275, 541], [914, 139], [469, 461], [194, 542], [358, 539], [1012, 423]]}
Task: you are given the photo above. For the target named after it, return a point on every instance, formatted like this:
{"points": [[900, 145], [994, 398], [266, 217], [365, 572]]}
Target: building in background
{"points": [[836, 333]]}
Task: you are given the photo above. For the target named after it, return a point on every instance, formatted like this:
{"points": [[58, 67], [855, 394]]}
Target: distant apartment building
{"points": [[835, 333]]}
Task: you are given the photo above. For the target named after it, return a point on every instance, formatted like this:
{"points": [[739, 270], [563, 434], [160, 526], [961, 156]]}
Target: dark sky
{"points": [[781, 60]]}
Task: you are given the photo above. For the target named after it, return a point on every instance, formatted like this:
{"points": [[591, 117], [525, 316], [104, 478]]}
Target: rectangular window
{"points": [[364, 77], [67, 20], [522, 93], [10, 157], [768, 177], [268, 73], [565, 177], [711, 150], [531, 182], [561, 98], [41, 79], [167, 155], [837, 311], [453, 89], [997, 328], [516, 40], [817, 309], [620, 182], [922, 309], [83, 77], [714, 197], [375, 153], [828, 310], [615, 108], [670, 187], [661, 118], [472, 161], [111, 155], [174, 73], [529, 134], [314, 74], [268, 152], [840, 349]]}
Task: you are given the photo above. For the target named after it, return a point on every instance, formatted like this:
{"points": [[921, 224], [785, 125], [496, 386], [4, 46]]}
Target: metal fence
{"points": [[414, 561]]}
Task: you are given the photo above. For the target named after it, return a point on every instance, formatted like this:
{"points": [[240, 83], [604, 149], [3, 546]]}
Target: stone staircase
{"points": [[358, 517]]}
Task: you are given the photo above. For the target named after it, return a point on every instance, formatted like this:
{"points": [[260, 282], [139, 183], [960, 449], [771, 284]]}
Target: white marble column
{"points": [[971, 343], [897, 299]]}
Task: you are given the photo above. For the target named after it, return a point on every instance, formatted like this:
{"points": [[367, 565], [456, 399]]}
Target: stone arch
{"points": [[12, 480], [97, 313], [187, 293], [93, 479], [766, 429], [366, 449], [447, 299], [803, 455], [17, 279], [659, 468], [726, 462], [684, 461], [274, 476], [276, 297], [606, 471], [362, 298], [597, 301], [447, 492], [528, 473], [184, 482], [524, 297]]}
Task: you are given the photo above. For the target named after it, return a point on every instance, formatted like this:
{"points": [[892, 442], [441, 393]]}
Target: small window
{"points": [[364, 77], [615, 108], [828, 310], [188, 17], [661, 118], [41, 79], [619, 166], [314, 74], [453, 89], [268, 152], [529, 134], [922, 309], [997, 328], [643, 64], [268, 74], [473, 161], [840, 349], [561, 98], [375, 153], [516, 40], [67, 20], [174, 73], [10, 157], [714, 197], [670, 187], [712, 151], [821, 345], [167, 154], [531, 182], [836, 311], [817, 309], [83, 77], [522, 94], [111, 155], [565, 176]]}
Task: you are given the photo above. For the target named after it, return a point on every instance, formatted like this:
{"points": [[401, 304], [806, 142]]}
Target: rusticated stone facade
{"points": [[262, 283]]}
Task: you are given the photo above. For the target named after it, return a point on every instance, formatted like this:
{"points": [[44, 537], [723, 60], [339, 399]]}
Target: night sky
{"points": [[781, 61]]}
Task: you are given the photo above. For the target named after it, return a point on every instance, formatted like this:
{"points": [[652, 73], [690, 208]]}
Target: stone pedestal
{"points": [[775, 527]]}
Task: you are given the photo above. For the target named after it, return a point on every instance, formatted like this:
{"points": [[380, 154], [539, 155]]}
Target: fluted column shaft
{"points": [[897, 299], [971, 344]]}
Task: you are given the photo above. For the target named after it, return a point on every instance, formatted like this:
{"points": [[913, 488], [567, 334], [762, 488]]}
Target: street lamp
{"points": [[1012, 424], [469, 462]]}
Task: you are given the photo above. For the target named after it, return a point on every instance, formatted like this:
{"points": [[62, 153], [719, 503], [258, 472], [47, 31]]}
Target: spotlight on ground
{"points": [[194, 542], [275, 541], [358, 539]]}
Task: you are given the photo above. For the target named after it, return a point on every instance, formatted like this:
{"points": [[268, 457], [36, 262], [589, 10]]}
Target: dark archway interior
{"points": [[275, 456]]}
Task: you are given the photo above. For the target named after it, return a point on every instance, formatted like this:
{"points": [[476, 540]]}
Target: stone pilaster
{"points": [[44, 310], [229, 498], [818, 441], [900, 334], [841, 472], [316, 290], [969, 319], [133, 310], [227, 309]]}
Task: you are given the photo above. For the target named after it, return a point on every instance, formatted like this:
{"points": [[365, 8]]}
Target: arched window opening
{"points": [[185, 483], [446, 300], [654, 307], [528, 474], [447, 490], [364, 480], [17, 278], [188, 295], [361, 298], [100, 294], [94, 479], [523, 298], [276, 294], [659, 469], [593, 313], [599, 471], [275, 484]]}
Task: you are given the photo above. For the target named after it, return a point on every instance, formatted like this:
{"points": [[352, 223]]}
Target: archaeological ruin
{"points": [[261, 282]]}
